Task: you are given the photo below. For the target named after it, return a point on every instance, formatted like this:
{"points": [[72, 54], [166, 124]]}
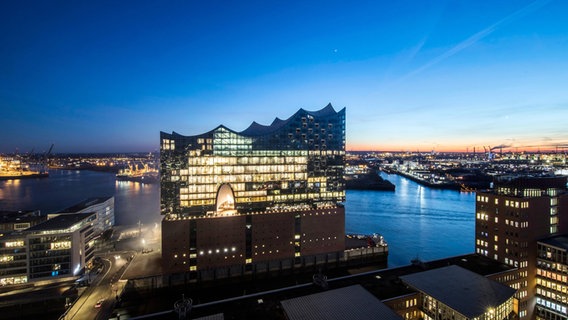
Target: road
{"points": [[105, 286]]}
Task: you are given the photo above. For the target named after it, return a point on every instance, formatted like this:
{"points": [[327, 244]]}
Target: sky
{"points": [[108, 76]]}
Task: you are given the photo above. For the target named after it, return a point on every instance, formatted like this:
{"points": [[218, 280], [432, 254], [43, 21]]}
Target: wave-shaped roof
{"points": [[256, 129]]}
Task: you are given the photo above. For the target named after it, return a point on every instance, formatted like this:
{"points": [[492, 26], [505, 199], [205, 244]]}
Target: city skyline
{"points": [[448, 76]]}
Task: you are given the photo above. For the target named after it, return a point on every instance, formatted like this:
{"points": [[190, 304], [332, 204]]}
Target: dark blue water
{"points": [[133, 201], [416, 221]]}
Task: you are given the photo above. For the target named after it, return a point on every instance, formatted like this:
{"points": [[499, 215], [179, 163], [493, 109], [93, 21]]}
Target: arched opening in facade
{"points": [[225, 203]]}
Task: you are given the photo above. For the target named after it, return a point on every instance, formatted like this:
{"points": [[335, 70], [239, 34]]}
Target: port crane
{"points": [[46, 158]]}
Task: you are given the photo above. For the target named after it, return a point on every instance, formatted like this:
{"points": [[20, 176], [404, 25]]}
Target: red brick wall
{"points": [[273, 236], [323, 230], [175, 241], [216, 238]]}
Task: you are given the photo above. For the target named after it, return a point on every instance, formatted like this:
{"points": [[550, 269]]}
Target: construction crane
{"points": [[46, 156]]}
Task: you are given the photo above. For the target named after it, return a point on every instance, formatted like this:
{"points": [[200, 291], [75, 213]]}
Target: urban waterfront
{"points": [[133, 201], [416, 221]]}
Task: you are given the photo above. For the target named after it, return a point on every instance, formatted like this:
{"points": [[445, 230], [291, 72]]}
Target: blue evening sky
{"points": [[107, 76]]}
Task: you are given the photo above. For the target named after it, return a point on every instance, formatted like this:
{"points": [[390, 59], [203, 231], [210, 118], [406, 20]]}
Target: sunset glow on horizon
{"points": [[413, 76]]}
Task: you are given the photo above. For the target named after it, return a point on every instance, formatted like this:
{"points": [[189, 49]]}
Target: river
{"points": [[416, 221], [133, 201]]}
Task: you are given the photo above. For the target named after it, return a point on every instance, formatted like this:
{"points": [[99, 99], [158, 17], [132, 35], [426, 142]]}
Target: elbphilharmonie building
{"points": [[251, 201]]}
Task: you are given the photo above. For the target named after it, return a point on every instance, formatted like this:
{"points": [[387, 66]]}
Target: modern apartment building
{"points": [[264, 198], [510, 219]]}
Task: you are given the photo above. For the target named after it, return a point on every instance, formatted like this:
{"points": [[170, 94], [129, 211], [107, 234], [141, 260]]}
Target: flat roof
{"points": [[464, 291], [560, 241], [85, 204], [217, 316], [62, 221], [353, 302]]}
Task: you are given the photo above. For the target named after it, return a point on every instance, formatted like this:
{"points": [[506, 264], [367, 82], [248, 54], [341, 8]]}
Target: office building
{"points": [[266, 198], [54, 250], [552, 279], [11, 221], [510, 219], [13, 260], [103, 207], [60, 246]]}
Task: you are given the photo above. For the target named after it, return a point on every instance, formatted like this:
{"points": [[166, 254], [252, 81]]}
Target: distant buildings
{"points": [[263, 199], [510, 219], [54, 249]]}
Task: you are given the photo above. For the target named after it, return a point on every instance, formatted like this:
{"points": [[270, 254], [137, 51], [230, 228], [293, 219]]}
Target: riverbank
{"points": [[429, 182], [368, 181]]}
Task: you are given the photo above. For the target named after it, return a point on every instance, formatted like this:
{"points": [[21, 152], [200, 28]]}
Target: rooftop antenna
{"points": [[183, 307]]}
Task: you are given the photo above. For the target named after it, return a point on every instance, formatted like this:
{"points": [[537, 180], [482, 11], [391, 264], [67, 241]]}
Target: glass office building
{"points": [[288, 168]]}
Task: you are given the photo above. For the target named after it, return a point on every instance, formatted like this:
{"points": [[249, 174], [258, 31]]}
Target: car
{"points": [[99, 303]]}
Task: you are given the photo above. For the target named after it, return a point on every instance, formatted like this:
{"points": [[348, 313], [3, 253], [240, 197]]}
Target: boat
{"points": [[365, 240], [143, 175], [14, 168]]}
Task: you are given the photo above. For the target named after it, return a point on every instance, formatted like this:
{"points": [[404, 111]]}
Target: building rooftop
{"points": [[9, 219], [20, 216], [63, 221], [353, 302], [218, 316], [560, 241], [528, 181], [85, 204], [226, 295], [256, 129], [464, 291]]}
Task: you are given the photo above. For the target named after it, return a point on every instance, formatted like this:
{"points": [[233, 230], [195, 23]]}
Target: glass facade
{"points": [[293, 162]]}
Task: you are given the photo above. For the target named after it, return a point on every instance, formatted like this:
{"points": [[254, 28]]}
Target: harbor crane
{"points": [[45, 157]]}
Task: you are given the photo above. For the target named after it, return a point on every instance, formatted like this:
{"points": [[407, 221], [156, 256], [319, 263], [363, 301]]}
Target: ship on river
{"points": [[13, 167], [138, 173]]}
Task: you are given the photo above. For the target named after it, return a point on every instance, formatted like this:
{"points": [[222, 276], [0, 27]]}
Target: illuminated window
{"points": [[6, 258], [60, 245], [11, 244]]}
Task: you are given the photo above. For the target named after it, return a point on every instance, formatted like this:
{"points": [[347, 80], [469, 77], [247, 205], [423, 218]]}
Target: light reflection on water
{"points": [[133, 201], [415, 220]]}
